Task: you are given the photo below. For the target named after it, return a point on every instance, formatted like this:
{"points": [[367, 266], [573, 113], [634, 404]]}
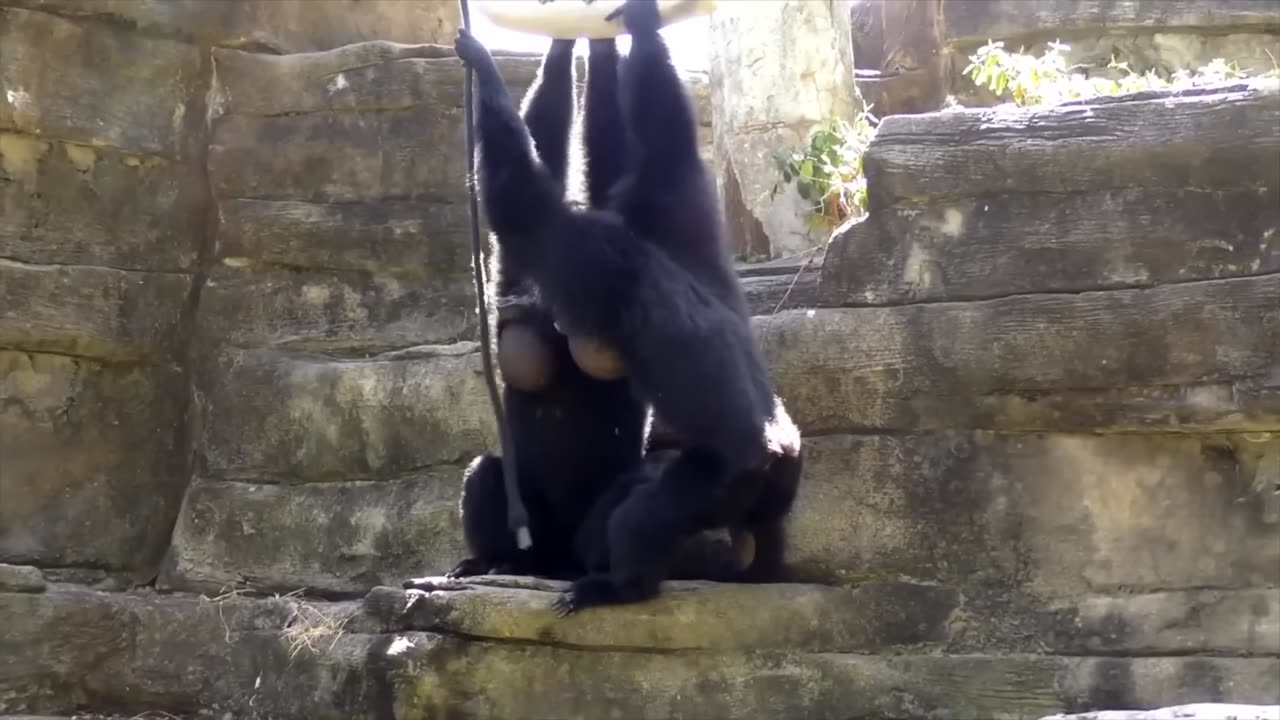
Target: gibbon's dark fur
{"points": [[575, 435], [652, 278]]}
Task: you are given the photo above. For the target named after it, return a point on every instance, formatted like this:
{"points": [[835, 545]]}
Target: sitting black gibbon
{"points": [[651, 278], [573, 434]]}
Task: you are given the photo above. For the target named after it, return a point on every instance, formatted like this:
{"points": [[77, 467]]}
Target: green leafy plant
{"points": [[1047, 79], [827, 172]]}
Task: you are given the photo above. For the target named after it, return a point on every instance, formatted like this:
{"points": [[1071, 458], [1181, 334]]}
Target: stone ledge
{"points": [[74, 204], [341, 312], [286, 658], [276, 416], [336, 538], [1024, 243], [21, 578], [1192, 356], [1222, 141], [91, 312], [428, 243], [1007, 519], [687, 616]]}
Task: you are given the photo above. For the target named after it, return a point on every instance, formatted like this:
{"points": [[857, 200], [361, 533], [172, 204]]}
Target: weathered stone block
{"points": [[590, 683], [1052, 514], [20, 578], [91, 462], [973, 23], [291, 135], [341, 156], [287, 658], [339, 537], [1001, 245], [343, 312], [77, 648], [771, 287], [90, 311], [277, 26], [687, 616], [363, 76], [1193, 621], [296, 416], [113, 86], [80, 205], [1212, 140], [1194, 355], [816, 618], [425, 242]]}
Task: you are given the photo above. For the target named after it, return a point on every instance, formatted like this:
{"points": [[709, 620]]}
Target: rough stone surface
{"points": [[1053, 515], [1193, 355], [1046, 515], [102, 218], [900, 63], [332, 538], [307, 417], [275, 26], [340, 156], [1224, 141], [135, 651], [333, 311], [777, 70], [1229, 622], [76, 204], [771, 287], [91, 312], [287, 658], [968, 573], [91, 473], [688, 616], [114, 87], [419, 242], [289, 133], [1017, 243], [20, 578]]}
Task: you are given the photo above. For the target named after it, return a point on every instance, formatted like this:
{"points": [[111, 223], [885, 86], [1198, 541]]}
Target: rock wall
{"points": [[1040, 385], [910, 54], [124, 279], [240, 271]]}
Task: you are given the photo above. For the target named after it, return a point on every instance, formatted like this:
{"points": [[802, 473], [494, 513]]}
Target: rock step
{"points": [[286, 657], [997, 515]]}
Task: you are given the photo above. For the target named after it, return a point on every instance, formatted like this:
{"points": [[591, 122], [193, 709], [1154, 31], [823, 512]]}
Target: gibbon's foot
{"points": [[590, 591]]}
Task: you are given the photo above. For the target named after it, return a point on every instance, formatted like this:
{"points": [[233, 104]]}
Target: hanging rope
{"points": [[517, 516]]}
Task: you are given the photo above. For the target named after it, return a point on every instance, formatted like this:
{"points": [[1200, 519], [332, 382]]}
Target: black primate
{"points": [[573, 435], [651, 278]]}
